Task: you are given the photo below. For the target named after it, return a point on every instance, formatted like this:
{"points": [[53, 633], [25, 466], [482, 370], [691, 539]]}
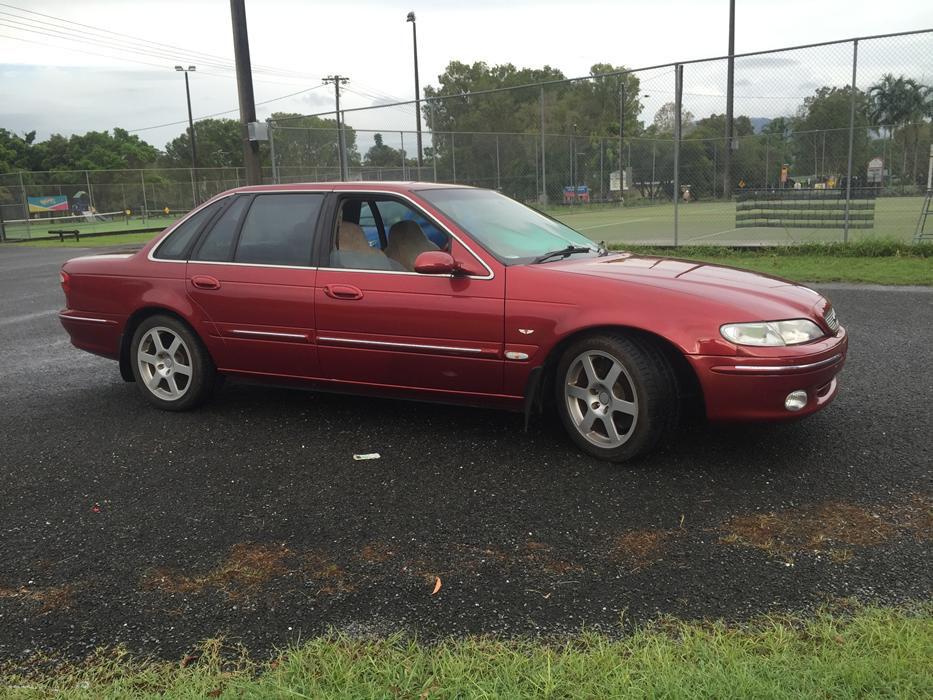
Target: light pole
{"points": [[414, 38], [194, 149]]}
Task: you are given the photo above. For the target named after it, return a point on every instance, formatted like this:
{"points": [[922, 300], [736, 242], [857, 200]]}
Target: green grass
{"points": [[870, 653], [874, 261]]}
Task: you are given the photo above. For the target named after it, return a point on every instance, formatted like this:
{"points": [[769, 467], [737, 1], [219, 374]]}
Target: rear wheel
{"points": [[616, 395], [170, 364]]}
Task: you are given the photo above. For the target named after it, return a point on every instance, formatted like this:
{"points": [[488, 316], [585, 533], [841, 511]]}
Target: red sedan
{"points": [[454, 294]]}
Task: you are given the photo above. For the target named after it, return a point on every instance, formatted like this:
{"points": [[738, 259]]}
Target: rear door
{"points": [[251, 274]]}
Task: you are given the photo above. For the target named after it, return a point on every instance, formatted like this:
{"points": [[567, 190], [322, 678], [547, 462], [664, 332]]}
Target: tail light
{"points": [[65, 279]]}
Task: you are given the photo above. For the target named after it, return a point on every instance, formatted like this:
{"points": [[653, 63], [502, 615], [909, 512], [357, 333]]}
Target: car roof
{"points": [[375, 185]]}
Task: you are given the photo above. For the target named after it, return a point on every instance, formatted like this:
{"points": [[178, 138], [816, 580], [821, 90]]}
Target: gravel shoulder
{"points": [[250, 519]]}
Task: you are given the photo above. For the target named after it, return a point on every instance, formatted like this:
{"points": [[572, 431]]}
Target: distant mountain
{"points": [[759, 123]]}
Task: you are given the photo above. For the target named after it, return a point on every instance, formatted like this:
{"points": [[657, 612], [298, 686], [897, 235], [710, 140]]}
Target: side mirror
{"points": [[435, 262]]}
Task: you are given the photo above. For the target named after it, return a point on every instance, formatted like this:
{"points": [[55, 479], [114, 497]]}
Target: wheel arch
{"points": [[688, 385], [129, 330]]}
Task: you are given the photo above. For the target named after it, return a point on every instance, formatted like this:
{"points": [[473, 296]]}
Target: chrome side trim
{"points": [[385, 343], [782, 368], [241, 264], [270, 334], [86, 318]]}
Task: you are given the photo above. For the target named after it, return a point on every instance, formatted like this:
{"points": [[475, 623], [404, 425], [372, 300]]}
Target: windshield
{"points": [[509, 230]]}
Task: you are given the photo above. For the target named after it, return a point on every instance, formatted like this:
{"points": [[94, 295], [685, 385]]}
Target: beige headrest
{"points": [[350, 238], [406, 242]]}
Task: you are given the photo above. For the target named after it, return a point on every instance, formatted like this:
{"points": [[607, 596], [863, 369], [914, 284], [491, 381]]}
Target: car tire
{"points": [[616, 395], [172, 368]]}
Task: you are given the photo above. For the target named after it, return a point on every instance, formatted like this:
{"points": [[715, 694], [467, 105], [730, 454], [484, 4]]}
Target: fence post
{"points": [[275, 169], [678, 103], [194, 193], [401, 149], [543, 155], [498, 175], [453, 155], [90, 192], [433, 140], [22, 187], [142, 179], [845, 231], [767, 158]]}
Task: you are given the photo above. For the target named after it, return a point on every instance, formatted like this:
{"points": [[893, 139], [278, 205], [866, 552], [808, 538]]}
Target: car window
{"points": [[219, 242], [513, 232], [278, 229], [175, 247], [408, 233], [393, 211], [368, 224]]}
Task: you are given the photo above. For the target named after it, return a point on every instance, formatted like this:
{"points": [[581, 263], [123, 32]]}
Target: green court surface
{"points": [[39, 228], [713, 223]]}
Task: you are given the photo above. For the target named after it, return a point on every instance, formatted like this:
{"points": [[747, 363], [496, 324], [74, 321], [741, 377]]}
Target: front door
{"points": [[251, 274], [381, 323]]}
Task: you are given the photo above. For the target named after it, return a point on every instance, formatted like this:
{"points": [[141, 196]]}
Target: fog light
{"points": [[795, 400]]}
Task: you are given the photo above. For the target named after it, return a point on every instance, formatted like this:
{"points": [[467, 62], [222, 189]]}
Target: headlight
{"points": [[772, 333]]}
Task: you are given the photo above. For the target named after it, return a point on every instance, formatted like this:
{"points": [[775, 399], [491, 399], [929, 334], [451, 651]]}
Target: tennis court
{"points": [[714, 223]]}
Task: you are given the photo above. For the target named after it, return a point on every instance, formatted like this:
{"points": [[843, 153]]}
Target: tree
{"points": [[664, 120], [899, 106], [218, 143], [820, 144], [381, 155], [493, 138], [303, 143]]}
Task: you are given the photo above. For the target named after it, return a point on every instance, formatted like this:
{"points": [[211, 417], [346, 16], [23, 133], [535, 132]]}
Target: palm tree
{"points": [[900, 104]]}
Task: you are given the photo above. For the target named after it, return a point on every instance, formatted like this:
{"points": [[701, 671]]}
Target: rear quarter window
{"points": [[179, 241]]}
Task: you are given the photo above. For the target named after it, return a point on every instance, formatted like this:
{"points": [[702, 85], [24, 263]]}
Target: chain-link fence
{"points": [[624, 155]]}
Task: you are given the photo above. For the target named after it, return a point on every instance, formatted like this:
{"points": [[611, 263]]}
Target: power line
{"points": [[220, 114], [127, 42], [125, 59]]}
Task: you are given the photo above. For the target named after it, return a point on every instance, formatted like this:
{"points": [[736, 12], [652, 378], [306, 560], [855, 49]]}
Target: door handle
{"points": [[343, 291], [205, 282]]}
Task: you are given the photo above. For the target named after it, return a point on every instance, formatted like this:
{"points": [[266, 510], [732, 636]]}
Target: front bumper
{"points": [[753, 386]]}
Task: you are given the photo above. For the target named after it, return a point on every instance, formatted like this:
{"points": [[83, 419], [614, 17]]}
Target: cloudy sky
{"points": [[68, 68]]}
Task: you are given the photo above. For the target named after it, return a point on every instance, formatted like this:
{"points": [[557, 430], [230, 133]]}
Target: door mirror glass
{"points": [[435, 262]]}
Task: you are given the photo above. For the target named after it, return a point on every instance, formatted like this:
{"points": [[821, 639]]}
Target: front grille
{"points": [[831, 320]]}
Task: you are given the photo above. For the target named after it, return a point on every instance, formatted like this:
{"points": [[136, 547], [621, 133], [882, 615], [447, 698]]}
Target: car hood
{"points": [[759, 295]]}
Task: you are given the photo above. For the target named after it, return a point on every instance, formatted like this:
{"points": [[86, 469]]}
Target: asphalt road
{"points": [[120, 524]]}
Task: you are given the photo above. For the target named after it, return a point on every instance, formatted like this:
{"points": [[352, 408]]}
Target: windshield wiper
{"points": [[562, 253]]}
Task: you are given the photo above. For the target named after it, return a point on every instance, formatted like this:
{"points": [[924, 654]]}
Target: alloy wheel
{"points": [[165, 364], [601, 399]]}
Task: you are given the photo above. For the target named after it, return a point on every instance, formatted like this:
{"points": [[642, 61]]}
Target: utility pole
{"points": [[244, 86], [414, 37], [339, 80], [730, 80], [194, 148]]}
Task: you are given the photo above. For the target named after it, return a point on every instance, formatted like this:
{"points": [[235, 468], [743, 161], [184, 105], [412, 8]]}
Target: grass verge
{"points": [[872, 652], [877, 261], [90, 241]]}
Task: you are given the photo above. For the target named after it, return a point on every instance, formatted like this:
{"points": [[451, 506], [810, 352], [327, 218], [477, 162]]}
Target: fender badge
{"points": [[526, 331]]}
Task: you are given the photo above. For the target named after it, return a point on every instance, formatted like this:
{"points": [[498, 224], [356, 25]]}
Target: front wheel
{"points": [[616, 396], [170, 364]]}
